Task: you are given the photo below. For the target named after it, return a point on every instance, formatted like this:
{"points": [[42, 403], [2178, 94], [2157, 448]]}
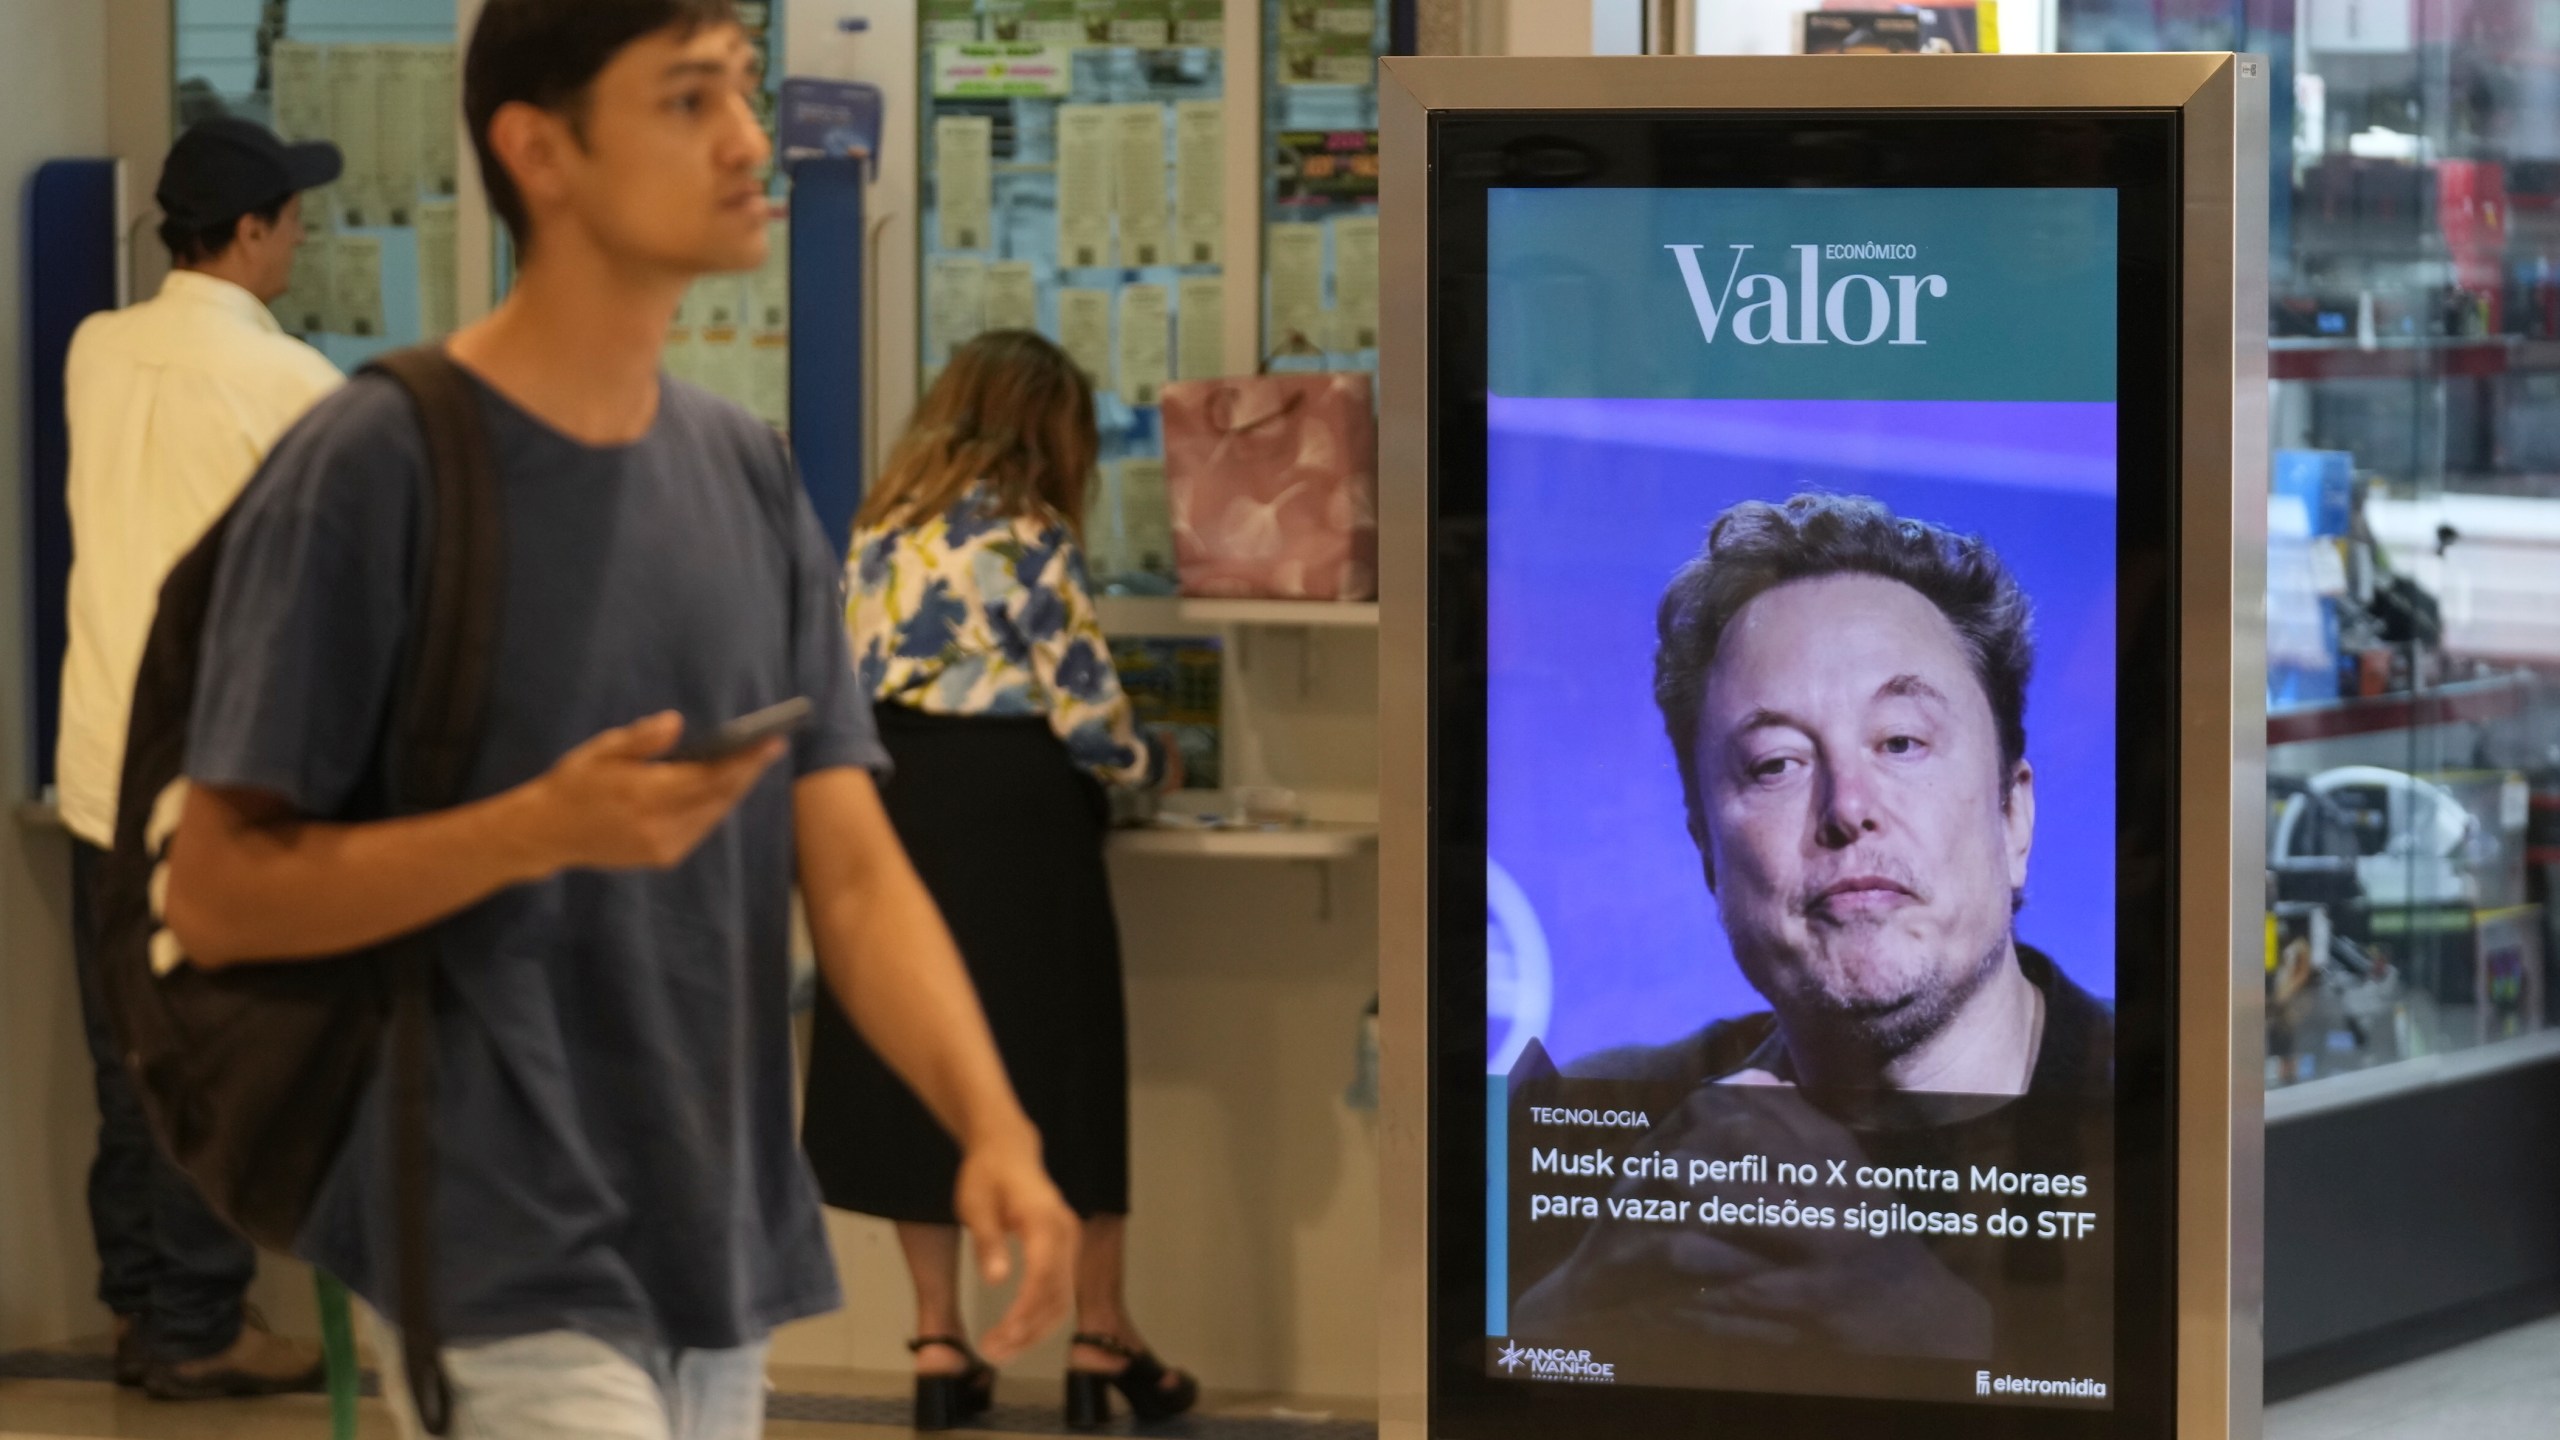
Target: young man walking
{"points": [[172, 403], [622, 1213]]}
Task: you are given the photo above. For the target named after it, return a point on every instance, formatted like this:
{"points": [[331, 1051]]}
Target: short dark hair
{"points": [[196, 244], [546, 53], [1756, 547]]}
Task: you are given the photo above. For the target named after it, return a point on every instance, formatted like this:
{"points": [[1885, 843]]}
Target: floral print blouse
{"points": [[979, 613]]}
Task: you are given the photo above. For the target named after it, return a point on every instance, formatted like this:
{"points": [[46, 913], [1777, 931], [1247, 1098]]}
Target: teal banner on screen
{"points": [[1973, 294]]}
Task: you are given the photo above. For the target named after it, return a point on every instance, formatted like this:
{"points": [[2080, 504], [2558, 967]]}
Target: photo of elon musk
{"points": [[1843, 689]]}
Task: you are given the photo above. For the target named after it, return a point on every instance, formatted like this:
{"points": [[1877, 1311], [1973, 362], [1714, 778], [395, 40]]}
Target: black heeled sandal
{"points": [[945, 1401], [1140, 1382]]}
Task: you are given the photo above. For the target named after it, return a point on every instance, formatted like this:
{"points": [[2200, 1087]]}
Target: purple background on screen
{"points": [[1595, 503]]}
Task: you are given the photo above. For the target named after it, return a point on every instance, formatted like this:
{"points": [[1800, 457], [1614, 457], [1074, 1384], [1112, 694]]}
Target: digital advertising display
{"points": [[1801, 790], [1791, 674]]}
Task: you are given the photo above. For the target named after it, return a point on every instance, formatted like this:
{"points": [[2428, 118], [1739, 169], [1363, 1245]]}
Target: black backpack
{"points": [[250, 1075]]}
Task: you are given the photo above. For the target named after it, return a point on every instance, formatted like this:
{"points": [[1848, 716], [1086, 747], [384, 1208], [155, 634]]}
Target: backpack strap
{"points": [[435, 732], [447, 690]]}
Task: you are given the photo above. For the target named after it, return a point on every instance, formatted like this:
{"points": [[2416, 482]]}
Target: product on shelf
{"points": [[1860, 32], [1175, 684], [1273, 484]]}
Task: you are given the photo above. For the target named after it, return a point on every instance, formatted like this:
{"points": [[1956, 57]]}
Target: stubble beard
{"points": [[1876, 1029]]}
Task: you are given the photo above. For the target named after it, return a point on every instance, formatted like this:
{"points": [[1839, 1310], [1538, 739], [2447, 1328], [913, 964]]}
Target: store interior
{"points": [[1194, 194]]}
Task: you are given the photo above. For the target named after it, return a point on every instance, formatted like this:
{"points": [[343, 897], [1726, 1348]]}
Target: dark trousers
{"points": [[164, 1257]]}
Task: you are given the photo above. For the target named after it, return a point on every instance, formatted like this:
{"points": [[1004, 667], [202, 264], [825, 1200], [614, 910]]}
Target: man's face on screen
{"points": [[1858, 837]]}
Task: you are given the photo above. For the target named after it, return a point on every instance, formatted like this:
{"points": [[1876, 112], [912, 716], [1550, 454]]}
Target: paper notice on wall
{"points": [[720, 362], [964, 181], [1327, 59], [1145, 341], [1102, 523], [1201, 323], [1328, 42], [355, 285], [769, 288], [947, 20], [1002, 71], [397, 142], [1039, 22], [1084, 186], [307, 306], [439, 119], [955, 303], [1295, 256], [1013, 296], [1199, 181], [1329, 17], [717, 304], [1355, 282], [679, 358], [299, 74], [1138, 135], [355, 123], [1146, 519], [1147, 24], [438, 284], [1084, 331], [719, 340], [768, 396], [1200, 22]]}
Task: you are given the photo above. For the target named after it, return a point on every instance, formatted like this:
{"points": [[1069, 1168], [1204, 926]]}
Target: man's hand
{"points": [[251, 881], [612, 804], [889, 961], [1005, 1195]]}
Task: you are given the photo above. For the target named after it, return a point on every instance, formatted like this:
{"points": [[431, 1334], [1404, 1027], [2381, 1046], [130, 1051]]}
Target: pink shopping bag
{"points": [[1272, 480]]}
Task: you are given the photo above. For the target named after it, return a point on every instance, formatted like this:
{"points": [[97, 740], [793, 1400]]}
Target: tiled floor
{"points": [[814, 1404], [2506, 1387]]}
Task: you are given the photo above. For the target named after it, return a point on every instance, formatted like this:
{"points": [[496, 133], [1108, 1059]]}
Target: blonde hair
{"points": [[1011, 411]]}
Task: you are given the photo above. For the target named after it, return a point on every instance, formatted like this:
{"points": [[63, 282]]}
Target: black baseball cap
{"points": [[225, 167]]}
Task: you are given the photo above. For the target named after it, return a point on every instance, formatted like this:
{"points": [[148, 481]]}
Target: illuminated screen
{"points": [[1800, 790]]}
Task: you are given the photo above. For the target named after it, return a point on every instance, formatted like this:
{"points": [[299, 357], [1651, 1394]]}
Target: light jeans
{"points": [[560, 1383]]}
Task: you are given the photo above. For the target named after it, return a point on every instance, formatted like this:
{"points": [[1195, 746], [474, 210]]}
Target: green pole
{"points": [[338, 1336]]}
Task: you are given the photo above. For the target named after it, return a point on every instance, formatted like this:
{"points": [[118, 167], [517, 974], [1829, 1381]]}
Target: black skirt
{"points": [[1007, 834]]}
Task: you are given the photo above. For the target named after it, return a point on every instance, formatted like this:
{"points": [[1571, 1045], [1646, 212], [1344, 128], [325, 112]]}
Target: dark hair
{"points": [[195, 244], [546, 53], [1755, 547]]}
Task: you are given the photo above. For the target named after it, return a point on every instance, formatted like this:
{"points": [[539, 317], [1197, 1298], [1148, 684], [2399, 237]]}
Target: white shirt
{"points": [[173, 403]]}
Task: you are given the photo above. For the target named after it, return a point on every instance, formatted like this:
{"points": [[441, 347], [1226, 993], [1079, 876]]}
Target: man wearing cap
{"points": [[173, 403]]}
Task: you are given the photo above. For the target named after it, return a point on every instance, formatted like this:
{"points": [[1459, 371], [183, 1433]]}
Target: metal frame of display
{"points": [[2220, 396]]}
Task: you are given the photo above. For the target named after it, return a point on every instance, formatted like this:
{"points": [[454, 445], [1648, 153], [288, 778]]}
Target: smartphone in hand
{"points": [[746, 732]]}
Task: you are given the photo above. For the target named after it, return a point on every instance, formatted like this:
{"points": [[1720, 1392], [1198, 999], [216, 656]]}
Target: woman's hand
{"points": [[1174, 774]]}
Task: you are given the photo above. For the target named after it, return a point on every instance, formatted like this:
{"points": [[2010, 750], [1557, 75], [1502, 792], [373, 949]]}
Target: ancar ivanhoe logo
{"points": [[1854, 309], [1554, 1364]]}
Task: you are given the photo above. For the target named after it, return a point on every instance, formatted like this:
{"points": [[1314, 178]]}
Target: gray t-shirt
{"points": [[614, 1108]]}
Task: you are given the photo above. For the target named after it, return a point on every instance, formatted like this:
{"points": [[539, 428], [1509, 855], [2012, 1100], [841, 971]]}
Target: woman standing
{"points": [[974, 631]]}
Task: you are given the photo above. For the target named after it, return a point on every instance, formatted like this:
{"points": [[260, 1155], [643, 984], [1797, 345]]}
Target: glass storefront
{"points": [[2413, 735]]}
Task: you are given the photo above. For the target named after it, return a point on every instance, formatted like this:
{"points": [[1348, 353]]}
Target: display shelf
{"points": [[2316, 359], [2498, 699], [1302, 842], [1159, 615], [2405, 1077], [1356, 615]]}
